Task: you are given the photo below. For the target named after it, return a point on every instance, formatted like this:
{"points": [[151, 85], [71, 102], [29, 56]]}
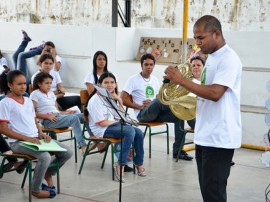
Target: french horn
{"points": [[181, 102]]}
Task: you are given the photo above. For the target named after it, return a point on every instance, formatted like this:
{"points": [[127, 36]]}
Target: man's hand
{"points": [[173, 74], [145, 104]]}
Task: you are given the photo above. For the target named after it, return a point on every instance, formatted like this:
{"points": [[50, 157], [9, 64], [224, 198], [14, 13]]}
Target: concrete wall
{"points": [[240, 15]]}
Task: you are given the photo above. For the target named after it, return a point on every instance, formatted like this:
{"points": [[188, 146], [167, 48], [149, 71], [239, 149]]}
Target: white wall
{"points": [[77, 45]]}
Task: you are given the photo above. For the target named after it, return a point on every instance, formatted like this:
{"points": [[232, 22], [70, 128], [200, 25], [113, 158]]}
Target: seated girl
{"points": [[65, 102], [47, 111], [18, 123], [103, 124]]}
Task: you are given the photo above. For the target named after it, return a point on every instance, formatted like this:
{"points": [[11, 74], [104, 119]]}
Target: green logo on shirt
{"points": [[149, 92], [203, 76]]}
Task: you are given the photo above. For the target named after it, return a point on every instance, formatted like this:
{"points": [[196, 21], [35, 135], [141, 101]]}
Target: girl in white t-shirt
{"points": [[65, 102], [100, 63], [18, 123], [47, 110], [103, 124]]}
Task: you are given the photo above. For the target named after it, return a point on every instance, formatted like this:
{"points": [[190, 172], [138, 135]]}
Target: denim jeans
{"points": [[130, 134], [156, 111], [44, 160], [66, 120], [19, 58]]}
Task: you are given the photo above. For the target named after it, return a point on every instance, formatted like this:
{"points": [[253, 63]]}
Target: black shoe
{"points": [[183, 155], [20, 167], [8, 166], [25, 36], [128, 169], [232, 163]]}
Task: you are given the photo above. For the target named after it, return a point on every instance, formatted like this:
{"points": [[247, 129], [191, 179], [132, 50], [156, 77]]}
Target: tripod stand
{"points": [[122, 120]]}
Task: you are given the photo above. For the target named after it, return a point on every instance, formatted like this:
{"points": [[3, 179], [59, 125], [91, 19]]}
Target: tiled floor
{"points": [[166, 179]]}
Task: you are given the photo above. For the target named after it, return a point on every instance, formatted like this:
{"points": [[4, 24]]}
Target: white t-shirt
{"points": [[98, 112], [56, 79], [58, 59], [218, 124], [45, 102], [3, 62], [19, 116], [141, 89], [90, 78]]}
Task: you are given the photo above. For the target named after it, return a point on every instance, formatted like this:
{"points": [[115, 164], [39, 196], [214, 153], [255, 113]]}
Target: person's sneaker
{"points": [[25, 36], [183, 155], [128, 169]]}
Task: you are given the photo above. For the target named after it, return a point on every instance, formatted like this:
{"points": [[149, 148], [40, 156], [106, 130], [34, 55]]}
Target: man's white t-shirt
{"points": [[142, 89], [98, 112], [56, 79], [218, 124], [19, 116]]}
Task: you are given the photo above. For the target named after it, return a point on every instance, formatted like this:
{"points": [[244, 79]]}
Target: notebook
{"points": [[44, 146]]}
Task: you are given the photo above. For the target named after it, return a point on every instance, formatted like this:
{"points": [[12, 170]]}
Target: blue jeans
{"points": [[156, 111], [44, 160], [130, 134], [19, 58], [66, 120]]}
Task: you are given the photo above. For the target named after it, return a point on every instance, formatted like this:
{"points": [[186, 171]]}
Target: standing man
{"points": [[143, 88], [218, 119]]}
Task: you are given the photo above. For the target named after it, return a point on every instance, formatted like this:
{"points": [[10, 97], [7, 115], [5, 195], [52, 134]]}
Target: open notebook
{"points": [[44, 146]]}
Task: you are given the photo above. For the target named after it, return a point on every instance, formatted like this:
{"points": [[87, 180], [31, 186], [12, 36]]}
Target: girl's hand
{"points": [[69, 111], [52, 117], [117, 98], [46, 138], [33, 140]]}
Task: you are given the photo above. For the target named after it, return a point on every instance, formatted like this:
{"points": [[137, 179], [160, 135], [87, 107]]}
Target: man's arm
{"points": [[211, 92], [128, 102]]}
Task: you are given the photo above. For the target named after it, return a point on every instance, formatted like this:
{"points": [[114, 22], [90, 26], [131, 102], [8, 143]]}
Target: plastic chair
{"points": [[149, 125], [29, 169]]}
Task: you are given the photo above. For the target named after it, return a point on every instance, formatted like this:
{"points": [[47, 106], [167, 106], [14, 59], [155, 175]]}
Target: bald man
{"points": [[218, 120]]}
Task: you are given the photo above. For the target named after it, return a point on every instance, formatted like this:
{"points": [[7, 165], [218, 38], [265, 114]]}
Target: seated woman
{"points": [[47, 111], [47, 62], [100, 63], [103, 124], [18, 123]]}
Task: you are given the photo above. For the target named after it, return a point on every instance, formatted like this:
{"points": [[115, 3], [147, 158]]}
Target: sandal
{"points": [[103, 146], [116, 175], [91, 147], [47, 188], [140, 173]]}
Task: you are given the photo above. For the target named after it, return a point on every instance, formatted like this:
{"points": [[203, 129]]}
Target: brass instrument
{"points": [[181, 102]]}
